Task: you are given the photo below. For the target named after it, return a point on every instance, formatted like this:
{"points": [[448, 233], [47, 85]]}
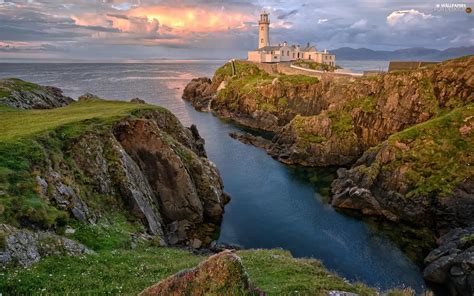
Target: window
{"points": [[261, 28], [261, 40], [309, 57], [282, 53], [288, 53], [293, 55]]}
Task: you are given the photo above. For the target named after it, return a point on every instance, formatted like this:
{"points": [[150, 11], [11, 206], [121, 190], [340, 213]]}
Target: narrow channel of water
{"points": [[272, 205]]}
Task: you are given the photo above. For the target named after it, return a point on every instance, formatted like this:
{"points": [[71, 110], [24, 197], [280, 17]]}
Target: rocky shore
{"points": [[404, 140]]}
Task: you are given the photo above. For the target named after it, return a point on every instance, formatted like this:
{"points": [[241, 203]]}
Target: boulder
{"points": [[199, 93], [221, 274], [137, 101], [88, 97], [452, 263], [24, 247]]}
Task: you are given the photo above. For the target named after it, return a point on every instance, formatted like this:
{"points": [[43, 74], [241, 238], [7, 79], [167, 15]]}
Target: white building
{"points": [[284, 52]]}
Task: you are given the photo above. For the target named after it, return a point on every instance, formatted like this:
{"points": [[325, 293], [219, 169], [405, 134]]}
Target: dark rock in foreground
{"points": [[452, 263], [221, 274]]}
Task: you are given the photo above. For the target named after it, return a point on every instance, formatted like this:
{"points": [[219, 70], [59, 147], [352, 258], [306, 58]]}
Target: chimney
{"points": [[285, 43]]}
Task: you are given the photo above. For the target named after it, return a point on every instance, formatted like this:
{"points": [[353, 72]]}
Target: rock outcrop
{"points": [[24, 247], [421, 176], [20, 94], [140, 162], [452, 263], [199, 92], [152, 166], [332, 122], [221, 274]]}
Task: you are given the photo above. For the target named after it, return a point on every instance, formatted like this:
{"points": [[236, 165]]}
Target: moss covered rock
{"points": [[17, 93], [221, 274]]}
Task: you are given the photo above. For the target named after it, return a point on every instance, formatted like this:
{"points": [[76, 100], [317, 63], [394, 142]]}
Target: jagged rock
{"points": [[333, 121], [26, 95], [251, 140], [199, 92], [150, 166], [452, 263], [222, 273], [88, 97], [383, 182], [24, 247], [137, 101]]}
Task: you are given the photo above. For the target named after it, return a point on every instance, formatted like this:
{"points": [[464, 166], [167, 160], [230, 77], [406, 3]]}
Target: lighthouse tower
{"points": [[264, 30]]}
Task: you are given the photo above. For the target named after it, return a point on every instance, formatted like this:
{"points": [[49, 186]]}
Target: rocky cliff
{"points": [[422, 175], [17, 93], [98, 162], [332, 122]]}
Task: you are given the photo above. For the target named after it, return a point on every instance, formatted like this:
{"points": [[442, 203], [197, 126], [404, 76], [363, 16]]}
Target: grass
{"points": [[16, 124], [127, 272], [277, 273], [316, 66], [298, 79], [112, 232], [439, 157], [468, 238], [341, 122]]}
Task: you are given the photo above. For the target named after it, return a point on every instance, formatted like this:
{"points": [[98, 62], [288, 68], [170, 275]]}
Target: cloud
{"points": [[360, 24], [219, 28], [123, 6], [285, 15], [407, 17], [322, 21]]}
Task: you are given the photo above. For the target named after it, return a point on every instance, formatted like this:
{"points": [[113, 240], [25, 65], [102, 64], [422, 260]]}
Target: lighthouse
{"points": [[264, 30]]}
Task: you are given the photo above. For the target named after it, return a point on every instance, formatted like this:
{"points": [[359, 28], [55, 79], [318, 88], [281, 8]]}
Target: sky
{"points": [[221, 29]]}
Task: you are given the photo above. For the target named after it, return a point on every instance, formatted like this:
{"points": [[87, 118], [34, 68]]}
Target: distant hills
{"points": [[415, 53]]}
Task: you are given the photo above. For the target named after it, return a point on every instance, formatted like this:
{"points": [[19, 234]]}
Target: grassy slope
{"points": [[246, 83], [130, 271], [27, 138], [439, 156], [7, 86], [15, 123]]}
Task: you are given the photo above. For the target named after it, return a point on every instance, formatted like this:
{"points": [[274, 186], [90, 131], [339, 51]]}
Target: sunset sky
{"points": [[187, 29]]}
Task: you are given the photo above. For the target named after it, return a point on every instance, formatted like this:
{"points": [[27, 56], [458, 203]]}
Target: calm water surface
{"points": [[272, 206]]}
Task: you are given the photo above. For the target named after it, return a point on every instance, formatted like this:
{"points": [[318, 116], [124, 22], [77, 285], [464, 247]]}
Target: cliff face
{"points": [[17, 93], [422, 175], [363, 113], [332, 122], [95, 160]]}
